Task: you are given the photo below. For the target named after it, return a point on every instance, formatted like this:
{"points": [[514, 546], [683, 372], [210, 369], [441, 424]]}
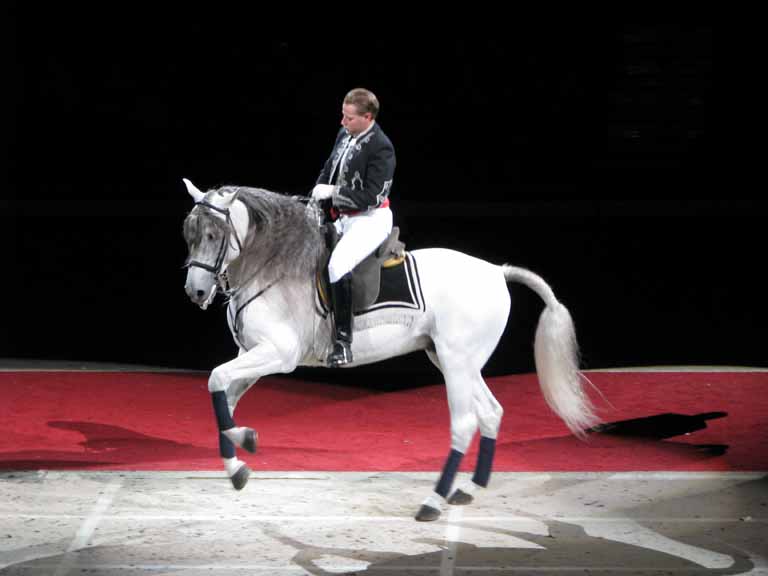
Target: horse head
{"points": [[214, 230]]}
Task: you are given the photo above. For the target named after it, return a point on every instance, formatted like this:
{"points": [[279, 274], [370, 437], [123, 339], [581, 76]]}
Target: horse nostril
{"points": [[200, 294]]}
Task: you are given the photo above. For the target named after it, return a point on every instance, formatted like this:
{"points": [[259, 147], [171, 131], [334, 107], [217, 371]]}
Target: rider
{"points": [[357, 178]]}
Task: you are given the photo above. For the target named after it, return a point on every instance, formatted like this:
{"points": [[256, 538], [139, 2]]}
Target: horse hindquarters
{"points": [[470, 305]]}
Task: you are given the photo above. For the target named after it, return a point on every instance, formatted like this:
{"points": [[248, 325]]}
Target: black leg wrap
{"points": [[449, 473], [221, 409], [226, 448], [484, 461]]}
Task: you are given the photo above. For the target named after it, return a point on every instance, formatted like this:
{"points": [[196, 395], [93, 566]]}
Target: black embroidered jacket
{"points": [[364, 177]]}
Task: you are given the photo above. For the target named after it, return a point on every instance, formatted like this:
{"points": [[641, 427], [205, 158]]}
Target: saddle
{"points": [[366, 276]]}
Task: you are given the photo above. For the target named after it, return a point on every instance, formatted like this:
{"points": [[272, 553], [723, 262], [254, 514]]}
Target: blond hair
{"points": [[363, 100]]}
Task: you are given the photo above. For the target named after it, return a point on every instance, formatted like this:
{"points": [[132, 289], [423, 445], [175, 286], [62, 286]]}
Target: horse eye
{"points": [[210, 236]]}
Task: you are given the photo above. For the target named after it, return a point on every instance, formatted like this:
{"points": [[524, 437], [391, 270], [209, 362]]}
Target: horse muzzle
{"points": [[200, 293]]}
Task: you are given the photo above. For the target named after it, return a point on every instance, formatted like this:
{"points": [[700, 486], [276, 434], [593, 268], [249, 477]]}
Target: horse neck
{"points": [[241, 223], [267, 262]]}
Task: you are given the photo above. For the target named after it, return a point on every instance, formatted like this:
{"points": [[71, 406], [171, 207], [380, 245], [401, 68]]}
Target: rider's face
{"points": [[354, 122]]}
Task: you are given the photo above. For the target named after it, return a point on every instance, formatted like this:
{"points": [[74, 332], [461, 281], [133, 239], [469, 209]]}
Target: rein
{"points": [[234, 317]]}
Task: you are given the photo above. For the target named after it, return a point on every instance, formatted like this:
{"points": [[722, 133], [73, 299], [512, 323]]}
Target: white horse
{"points": [[265, 249]]}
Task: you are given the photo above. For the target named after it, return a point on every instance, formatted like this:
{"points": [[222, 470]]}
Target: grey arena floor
{"points": [[321, 523], [118, 523]]}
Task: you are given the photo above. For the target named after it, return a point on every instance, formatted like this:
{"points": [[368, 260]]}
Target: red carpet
{"points": [[150, 421]]}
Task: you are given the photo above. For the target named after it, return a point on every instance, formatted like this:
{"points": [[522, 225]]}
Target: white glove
{"points": [[322, 192]]}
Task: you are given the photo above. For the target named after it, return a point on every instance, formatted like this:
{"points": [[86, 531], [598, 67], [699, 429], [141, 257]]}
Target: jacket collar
{"points": [[364, 132]]}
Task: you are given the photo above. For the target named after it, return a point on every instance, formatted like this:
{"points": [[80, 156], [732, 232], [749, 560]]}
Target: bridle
{"points": [[215, 269]]}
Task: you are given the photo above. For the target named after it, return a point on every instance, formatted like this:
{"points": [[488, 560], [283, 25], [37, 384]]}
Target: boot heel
{"points": [[341, 355]]}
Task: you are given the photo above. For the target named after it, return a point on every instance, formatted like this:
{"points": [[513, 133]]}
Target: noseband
{"points": [[215, 269]]}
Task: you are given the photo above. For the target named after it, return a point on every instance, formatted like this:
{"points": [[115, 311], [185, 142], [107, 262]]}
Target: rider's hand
{"points": [[322, 192]]}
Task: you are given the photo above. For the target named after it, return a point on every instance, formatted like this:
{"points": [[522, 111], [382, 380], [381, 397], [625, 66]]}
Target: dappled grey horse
{"points": [[264, 250]]}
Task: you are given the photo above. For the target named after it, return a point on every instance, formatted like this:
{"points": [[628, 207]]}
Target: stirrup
{"points": [[341, 355]]}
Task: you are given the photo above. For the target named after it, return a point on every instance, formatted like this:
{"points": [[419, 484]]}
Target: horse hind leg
{"points": [[463, 427], [489, 413]]}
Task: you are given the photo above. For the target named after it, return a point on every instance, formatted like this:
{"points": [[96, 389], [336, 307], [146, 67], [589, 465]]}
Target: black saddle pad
{"points": [[400, 288]]}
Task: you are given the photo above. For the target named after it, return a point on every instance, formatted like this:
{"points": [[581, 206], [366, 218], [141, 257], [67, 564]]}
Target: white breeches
{"points": [[360, 236]]}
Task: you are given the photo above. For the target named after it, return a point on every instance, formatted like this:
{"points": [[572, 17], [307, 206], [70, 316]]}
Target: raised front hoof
{"points": [[240, 478], [427, 514], [460, 498], [251, 440]]}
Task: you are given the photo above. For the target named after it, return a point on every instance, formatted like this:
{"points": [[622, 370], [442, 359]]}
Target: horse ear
{"points": [[197, 196]]}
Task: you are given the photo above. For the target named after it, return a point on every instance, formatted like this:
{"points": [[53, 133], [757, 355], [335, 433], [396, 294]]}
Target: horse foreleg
{"points": [[227, 384], [245, 438], [236, 469]]}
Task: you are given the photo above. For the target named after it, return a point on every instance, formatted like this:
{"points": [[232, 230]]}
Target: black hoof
{"points": [[427, 514], [251, 440], [240, 478], [460, 498]]}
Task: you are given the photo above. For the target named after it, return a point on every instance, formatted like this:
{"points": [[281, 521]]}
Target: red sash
{"points": [[336, 213]]}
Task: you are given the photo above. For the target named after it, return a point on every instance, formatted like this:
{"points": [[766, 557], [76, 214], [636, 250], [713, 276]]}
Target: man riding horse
{"points": [[270, 247], [356, 181]]}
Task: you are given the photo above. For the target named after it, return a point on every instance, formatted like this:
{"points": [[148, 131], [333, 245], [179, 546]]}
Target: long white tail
{"points": [[557, 356]]}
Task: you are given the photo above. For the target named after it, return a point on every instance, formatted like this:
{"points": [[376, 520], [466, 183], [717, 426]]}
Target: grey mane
{"points": [[284, 241]]}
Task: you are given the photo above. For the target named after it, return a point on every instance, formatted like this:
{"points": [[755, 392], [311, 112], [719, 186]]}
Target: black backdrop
{"points": [[584, 154]]}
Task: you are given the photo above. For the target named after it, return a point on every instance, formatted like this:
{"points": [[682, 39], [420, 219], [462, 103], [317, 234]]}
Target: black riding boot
{"points": [[341, 292]]}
